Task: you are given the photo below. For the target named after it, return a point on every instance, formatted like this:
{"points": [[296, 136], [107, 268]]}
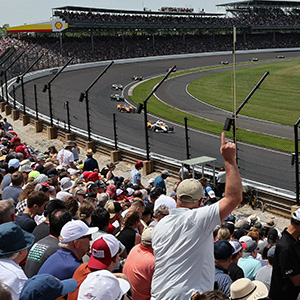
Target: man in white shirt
{"points": [[183, 241], [65, 156], [14, 244]]}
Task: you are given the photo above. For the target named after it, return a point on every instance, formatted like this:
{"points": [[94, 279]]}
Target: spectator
{"points": [[14, 244], [19, 147], [127, 234], [210, 196], [186, 235], [103, 285], [107, 171], [85, 212], [7, 211], [65, 156], [286, 267], [45, 286], [139, 267], [48, 245], [235, 272], [74, 243], [114, 209], [210, 295], [158, 214], [248, 262], [222, 253], [104, 256], [13, 191], [90, 163], [246, 289], [160, 180], [265, 273], [13, 166], [135, 174], [36, 203]]}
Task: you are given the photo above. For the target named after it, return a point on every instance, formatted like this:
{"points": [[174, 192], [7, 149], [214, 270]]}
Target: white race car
{"points": [[224, 62], [137, 78], [116, 97], [117, 86], [159, 126]]}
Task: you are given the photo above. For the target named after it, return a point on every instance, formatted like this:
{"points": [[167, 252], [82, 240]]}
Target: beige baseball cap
{"points": [[190, 188]]}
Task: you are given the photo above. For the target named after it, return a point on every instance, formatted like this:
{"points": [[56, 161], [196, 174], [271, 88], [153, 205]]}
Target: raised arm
{"points": [[233, 187]]}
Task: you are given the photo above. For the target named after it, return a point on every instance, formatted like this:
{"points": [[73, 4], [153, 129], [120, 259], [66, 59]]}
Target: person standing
{"points": [[285, 282], [65, 156], [160, 180], [183, 241], [135, 174], [90, 163]]}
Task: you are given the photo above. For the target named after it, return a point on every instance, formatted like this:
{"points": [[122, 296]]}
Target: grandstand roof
{"points": [[263, 4], [136, 12]]}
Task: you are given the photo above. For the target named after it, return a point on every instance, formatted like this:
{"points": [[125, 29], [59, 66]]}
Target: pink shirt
{"points": [[139, 268]]}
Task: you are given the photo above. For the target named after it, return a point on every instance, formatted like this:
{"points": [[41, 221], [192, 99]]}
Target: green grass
{"points": [[276, 100], [160, 109]]}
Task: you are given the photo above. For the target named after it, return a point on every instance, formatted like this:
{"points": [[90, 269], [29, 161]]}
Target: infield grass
{"points": [[218, 91]]}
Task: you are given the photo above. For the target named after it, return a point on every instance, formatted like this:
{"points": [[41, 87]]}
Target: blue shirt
{"points": [[135, 175], [250, 266], [62, 264], [159, 182], [223, 280]]}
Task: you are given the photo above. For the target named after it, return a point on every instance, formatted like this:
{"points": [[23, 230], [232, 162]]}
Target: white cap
{"points": [[101, 285], [74, 230], [151, 180], [129, 191], [73, 171], [165, 200], [62, 195], [296, 215]]}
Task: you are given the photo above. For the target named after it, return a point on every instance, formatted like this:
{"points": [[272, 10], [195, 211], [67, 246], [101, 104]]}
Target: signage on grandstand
{"points": [[177, 9], [56, 25]]}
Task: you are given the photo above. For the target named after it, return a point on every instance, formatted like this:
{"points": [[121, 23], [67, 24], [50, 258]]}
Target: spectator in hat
{"points": [[107, 171], [103, 284], [42, 230], [272, 236], [150, 184], [75, 239], [65, 156], [246, 289], [14, 190], [222, 253], [160, 180], [19, 147], [248, 262], [7, 211], [111, 191], [14, 244], [79, 193], [210, 196], [285, 280], [114, 209], [90, 163], [36, 203], [135, 174], [139, 267], [25, 170], [46, 286], [104, 256], [265, 273], [13, 166], [235, 272], [187, 233], [48, 245]]}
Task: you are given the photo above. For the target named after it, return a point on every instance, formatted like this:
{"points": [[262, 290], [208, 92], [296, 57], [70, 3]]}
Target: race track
{"points": [[262, 165]]}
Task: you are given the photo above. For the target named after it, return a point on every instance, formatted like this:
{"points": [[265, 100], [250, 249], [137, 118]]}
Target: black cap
{"points": [[222, 249]]}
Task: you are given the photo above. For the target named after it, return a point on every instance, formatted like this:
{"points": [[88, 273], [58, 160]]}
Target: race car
{"points": [[159, 126], [224, 62], [117, 86], [137, 78], [116, 97], [125, 108], [254, 59], [280, 56]]}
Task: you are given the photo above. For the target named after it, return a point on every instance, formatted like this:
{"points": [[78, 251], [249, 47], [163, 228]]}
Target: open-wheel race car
{"points": [[117, 86], [125, 108], [254, 59], [137, 78], [159, 126], [224, 62], [280, 56], [116, 97]]}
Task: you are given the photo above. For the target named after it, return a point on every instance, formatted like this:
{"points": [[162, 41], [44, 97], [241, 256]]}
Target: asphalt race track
{"points": [[267, 166]]}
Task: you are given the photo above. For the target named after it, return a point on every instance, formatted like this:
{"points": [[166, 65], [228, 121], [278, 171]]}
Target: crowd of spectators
{"points": [[69, 226]]}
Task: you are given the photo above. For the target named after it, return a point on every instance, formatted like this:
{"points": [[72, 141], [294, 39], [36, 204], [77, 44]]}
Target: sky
{"points": [[19, 12]]}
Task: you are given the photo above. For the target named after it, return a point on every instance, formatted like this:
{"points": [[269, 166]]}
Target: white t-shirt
{"points": [[12, 277], [64, 157], [183, 247]]}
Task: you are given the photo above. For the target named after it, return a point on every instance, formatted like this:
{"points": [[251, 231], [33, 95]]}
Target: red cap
{"points": [[139, 163], [110, 189], [15, 139], [93, 176], [103, 250], [86, 174]]}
